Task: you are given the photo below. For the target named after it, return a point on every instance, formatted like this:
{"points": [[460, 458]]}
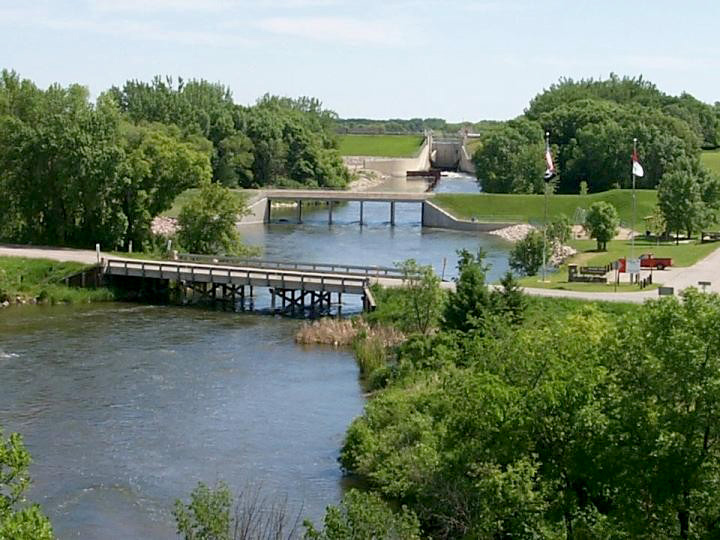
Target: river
{"points": [[126, 407]]}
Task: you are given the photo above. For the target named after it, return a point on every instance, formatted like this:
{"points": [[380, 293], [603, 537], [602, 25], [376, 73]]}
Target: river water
{"points": [[126, 407]]}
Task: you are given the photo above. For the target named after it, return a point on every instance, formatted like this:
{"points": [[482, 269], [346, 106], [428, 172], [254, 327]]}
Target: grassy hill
{"points": [[711, 159], [530, 208], [380, 145]]}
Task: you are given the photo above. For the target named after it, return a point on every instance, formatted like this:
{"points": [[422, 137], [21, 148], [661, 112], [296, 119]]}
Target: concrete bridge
{"points": [[261, 208]]}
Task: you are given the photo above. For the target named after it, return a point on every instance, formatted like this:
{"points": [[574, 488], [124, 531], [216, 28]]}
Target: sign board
{"points": [[666, 291], [633, 266]]}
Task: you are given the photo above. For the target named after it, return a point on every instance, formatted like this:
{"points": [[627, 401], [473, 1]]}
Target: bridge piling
{"points": [[330, 211], [361, 212], [299, 211], [392, 213]]}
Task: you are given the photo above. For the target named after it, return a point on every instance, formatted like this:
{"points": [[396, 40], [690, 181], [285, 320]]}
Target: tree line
{"points": [[495, 420], [592, 124], [76, 172]]}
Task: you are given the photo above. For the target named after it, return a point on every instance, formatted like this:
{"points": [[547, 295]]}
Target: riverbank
{"points": [[520, 208], [39, 281]]}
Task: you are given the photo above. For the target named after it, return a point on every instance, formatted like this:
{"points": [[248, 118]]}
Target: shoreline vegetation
{"points": [[40, 281]]}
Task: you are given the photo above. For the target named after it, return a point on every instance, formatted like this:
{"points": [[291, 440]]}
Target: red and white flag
{"points": [[637, 169], [550, 166]]}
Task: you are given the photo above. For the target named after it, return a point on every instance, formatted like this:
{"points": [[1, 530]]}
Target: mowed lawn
{"points": [[711, 159], [683, 254], [380, 145], [530, 208]]}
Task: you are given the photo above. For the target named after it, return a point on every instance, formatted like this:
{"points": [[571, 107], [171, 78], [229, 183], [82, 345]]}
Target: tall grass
{"points": [[41, 280]]}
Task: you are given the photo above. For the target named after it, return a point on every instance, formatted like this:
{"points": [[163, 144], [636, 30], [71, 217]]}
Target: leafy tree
{"points": [[365, 516], [666, 462], [159, 167], [471, 301], [17, 520], [510, 298], [509, 159], [526, 256], [422, 297], [559, 229], [208, 222], [602, 222], [214, 513], [688, 197]]}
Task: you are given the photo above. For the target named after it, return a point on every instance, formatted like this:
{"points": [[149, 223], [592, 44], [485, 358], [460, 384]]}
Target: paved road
{"points": [[707, 269]]}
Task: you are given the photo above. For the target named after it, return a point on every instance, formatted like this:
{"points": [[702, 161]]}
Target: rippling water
{"points": [[124, 408]]}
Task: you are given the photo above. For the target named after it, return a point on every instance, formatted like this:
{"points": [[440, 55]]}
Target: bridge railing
{"points": [[290, 279], [328, 268]]}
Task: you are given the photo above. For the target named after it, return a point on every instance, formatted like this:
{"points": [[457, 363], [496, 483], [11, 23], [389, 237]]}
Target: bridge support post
{"points": [[272, 299], [361, 212], [330, 209], [392, 213], [268, 211], [299, 211]]}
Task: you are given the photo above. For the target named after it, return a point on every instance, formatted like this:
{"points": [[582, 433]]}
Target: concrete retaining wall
{"points": [[393, 166], [259, 212], [435, 217], [466, 164]]}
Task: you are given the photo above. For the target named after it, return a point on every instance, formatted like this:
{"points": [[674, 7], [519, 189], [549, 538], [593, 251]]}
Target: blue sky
{"points": [[454, 59]]}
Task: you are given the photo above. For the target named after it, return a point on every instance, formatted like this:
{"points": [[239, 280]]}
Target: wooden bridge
{"points": [[295, 285]]}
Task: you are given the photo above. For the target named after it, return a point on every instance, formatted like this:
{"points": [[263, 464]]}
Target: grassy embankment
{"points": [[711, 159], [380, 145], [40, 280], [530, 209]]}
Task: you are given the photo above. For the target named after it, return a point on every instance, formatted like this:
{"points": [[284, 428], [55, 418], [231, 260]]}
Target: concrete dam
{"points": [[450, 154]]}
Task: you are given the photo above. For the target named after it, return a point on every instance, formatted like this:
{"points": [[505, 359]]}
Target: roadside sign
{"points": [[666, 291], [633, 266]]}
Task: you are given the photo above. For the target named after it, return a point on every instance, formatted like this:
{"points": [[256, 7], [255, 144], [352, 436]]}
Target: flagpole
{"points": [[632, 231], [545, 188]]}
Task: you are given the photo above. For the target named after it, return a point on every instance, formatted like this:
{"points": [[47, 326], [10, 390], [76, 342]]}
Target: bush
{"points": [[208, 222], [526, 256]]}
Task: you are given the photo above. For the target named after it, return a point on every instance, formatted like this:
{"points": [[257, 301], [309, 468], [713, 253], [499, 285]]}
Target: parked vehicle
{"points": [[648, 261]]}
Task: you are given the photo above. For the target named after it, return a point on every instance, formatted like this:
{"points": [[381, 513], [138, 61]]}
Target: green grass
{"points": [[682, 255], [530, 208], [541, 309], [711, 159], [380, 145], [42, 279]]}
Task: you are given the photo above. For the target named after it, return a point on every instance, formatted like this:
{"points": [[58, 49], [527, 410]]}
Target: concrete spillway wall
{"points": [[435, 217], [452, 154], [394, 166]]}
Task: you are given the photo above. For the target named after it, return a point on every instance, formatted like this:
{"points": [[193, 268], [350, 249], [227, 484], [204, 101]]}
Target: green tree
{"points": [[688, 197], [602, 222], [559, 229], [526, 256], [365, 516], [18, 521], [208, 222], [471, 301], [666, 461], [422, 297], [159, 167], [510, 298]]}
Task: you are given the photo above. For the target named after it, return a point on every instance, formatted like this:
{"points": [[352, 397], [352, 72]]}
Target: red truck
{"points": [[648, 261]]}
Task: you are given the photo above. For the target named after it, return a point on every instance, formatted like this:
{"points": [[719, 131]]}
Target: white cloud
{"points": [[335, 29], [146, 6], [36, 17]]}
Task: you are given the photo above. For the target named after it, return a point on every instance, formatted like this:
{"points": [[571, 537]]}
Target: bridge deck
{"points": [[328, 195]]}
